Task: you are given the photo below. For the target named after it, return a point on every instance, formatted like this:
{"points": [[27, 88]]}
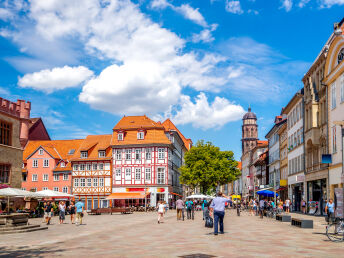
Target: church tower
{"points": [[249, 131]]}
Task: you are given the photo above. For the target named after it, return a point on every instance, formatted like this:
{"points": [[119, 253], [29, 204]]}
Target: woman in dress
{"points": [[62, 213], [161, 211], [72, 211]]}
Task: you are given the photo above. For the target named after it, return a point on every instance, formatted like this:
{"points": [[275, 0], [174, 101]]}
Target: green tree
{"points": [[207, 167]]}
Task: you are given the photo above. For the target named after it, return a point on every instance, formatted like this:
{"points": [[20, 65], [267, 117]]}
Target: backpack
{"points": [[189, 205]]}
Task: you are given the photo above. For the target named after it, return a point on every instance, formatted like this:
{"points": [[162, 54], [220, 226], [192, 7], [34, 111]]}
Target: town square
{"points": [[171, 128]]}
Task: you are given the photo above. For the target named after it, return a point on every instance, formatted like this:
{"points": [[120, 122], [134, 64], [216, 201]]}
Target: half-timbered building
{"points": [[146, 158], [92, 173]]}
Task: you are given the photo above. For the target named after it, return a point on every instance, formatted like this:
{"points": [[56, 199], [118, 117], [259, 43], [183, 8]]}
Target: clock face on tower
{"points": [[341, 55]]}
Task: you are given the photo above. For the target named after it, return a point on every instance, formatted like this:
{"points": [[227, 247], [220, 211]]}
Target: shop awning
{"points": [[123, 196], [177, 194], [281, 189]]}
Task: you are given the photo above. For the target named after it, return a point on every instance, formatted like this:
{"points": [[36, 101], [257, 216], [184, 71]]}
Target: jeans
{"points": [[190, 213], [218, 219]]}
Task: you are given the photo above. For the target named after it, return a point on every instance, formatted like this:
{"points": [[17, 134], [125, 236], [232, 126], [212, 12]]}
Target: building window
{"points": [[148, 153], [161, 176], [128, 154], [140, 135], [40, 152], [334, 139], [138, 174], [56, 177], [5, 173], [82, 167], [45, 188], [148, 174], [35, 163], [95, 166], [65, 177], [75, 167], [5, 133], [88, 167], [34, 177], [127, 172], [138, 154], [101, 182], [101, 166], [118, 172], [76, 182], [161, 153], [89, 182], [120, 137], [63, 164], [95, 182], [45, 177], [84, 154], [56, 189], [33, 189], [101, 154], [333, 96], [118, 155], [46, 163], [65, 189], [82, 182]]}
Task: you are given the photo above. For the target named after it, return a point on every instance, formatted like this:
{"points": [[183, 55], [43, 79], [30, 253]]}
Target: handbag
{"points": [[209, 223]]}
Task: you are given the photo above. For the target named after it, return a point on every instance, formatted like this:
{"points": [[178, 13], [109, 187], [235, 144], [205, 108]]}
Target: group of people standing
{"points": [[73, 209]]}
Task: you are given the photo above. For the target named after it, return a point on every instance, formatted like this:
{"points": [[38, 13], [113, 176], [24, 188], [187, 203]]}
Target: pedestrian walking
{"points": [[79, 212], [48, 211], [204, 208], [62, 212], [329, 209], [180, 207], [261, 208], [287, 205], [161, 211], [44, 217], [303, 206], [189, 209], [217, 207], [72, 211]]}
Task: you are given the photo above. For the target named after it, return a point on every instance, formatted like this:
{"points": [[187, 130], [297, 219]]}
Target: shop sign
{"points": [[135, 189], [300, 178], [339, 198], [283, 182], [160, 190]]}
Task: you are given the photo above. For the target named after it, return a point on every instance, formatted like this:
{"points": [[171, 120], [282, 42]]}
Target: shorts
{"points": [[62, 215], [47, 214]]}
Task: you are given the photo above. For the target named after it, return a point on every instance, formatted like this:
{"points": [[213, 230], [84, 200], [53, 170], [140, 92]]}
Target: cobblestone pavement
{"points": [[139, 235]]}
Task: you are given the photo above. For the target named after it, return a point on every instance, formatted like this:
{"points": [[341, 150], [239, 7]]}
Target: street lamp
{"points": [[275, 186]]}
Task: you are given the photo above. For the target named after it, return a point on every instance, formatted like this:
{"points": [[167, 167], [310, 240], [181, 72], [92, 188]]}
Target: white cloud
{"points": [[251, 11], [4, 92], [233, 7], [287, 5], [192, 14], [55, 79], [330, 3], [160, 4], [303, 3], [202, 114], [205, 35]]}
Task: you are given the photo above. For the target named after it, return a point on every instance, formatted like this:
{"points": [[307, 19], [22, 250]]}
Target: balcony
{"points": [[313, 134]]}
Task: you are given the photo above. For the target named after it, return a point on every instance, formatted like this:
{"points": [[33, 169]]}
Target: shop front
{"points": [[296, 190], [317, 195]]}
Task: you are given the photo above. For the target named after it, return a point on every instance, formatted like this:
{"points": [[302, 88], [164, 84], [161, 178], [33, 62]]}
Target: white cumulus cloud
{"points": [[287, 5], [55, 79], [234, 7], [192, 14], [330, 3]]}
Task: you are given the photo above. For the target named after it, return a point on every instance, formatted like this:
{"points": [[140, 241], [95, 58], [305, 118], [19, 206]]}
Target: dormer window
{"points": [[84, 154], [40, 152], [63, 165], [101, 154], [140, 135], [120, 136]]}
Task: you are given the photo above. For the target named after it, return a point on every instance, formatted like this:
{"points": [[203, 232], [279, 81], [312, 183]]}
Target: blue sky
{"points": [[85, 63]]}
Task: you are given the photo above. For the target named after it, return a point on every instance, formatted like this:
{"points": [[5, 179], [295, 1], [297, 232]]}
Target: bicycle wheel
{"points": [[335, 232]]}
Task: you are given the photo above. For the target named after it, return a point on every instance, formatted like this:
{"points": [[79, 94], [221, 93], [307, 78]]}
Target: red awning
{"points": [[281, 189], [177, 194], [128, 195]]}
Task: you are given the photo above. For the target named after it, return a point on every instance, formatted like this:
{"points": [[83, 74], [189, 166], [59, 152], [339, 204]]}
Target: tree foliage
{"points": [[207, 167]]}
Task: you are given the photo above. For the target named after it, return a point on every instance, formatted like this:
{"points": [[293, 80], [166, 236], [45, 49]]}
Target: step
{"points": [[18, 227], [23, 230]]}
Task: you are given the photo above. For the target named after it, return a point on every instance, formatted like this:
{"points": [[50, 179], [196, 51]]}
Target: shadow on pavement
{"points": [[28, 252]]}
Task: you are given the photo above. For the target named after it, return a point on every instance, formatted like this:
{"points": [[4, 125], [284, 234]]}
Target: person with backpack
{"points": [[204, 208], [189, 209]]}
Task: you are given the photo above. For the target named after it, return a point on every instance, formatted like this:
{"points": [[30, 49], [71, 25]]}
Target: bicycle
{"points": [[335, 231]]}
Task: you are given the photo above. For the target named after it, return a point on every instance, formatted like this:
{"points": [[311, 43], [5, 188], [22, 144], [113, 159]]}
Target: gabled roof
{"points": [[137, 122], [57, 149], [130, 125], [170, 126], [92, 144], [35, 122]]}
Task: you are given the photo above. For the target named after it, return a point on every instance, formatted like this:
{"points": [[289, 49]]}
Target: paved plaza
{"points": [[139, 235]]}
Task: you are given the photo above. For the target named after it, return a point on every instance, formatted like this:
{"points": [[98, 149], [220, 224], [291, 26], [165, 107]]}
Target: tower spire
{"points": [[249, 107]]}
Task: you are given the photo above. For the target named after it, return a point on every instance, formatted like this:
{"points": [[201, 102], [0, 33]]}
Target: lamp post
{"points": [[275, 186], [145, 194]]}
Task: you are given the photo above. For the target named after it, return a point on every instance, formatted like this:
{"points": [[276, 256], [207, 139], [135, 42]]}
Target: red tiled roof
{"points": [[136, 122], [170, 126], [92, 144]]}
